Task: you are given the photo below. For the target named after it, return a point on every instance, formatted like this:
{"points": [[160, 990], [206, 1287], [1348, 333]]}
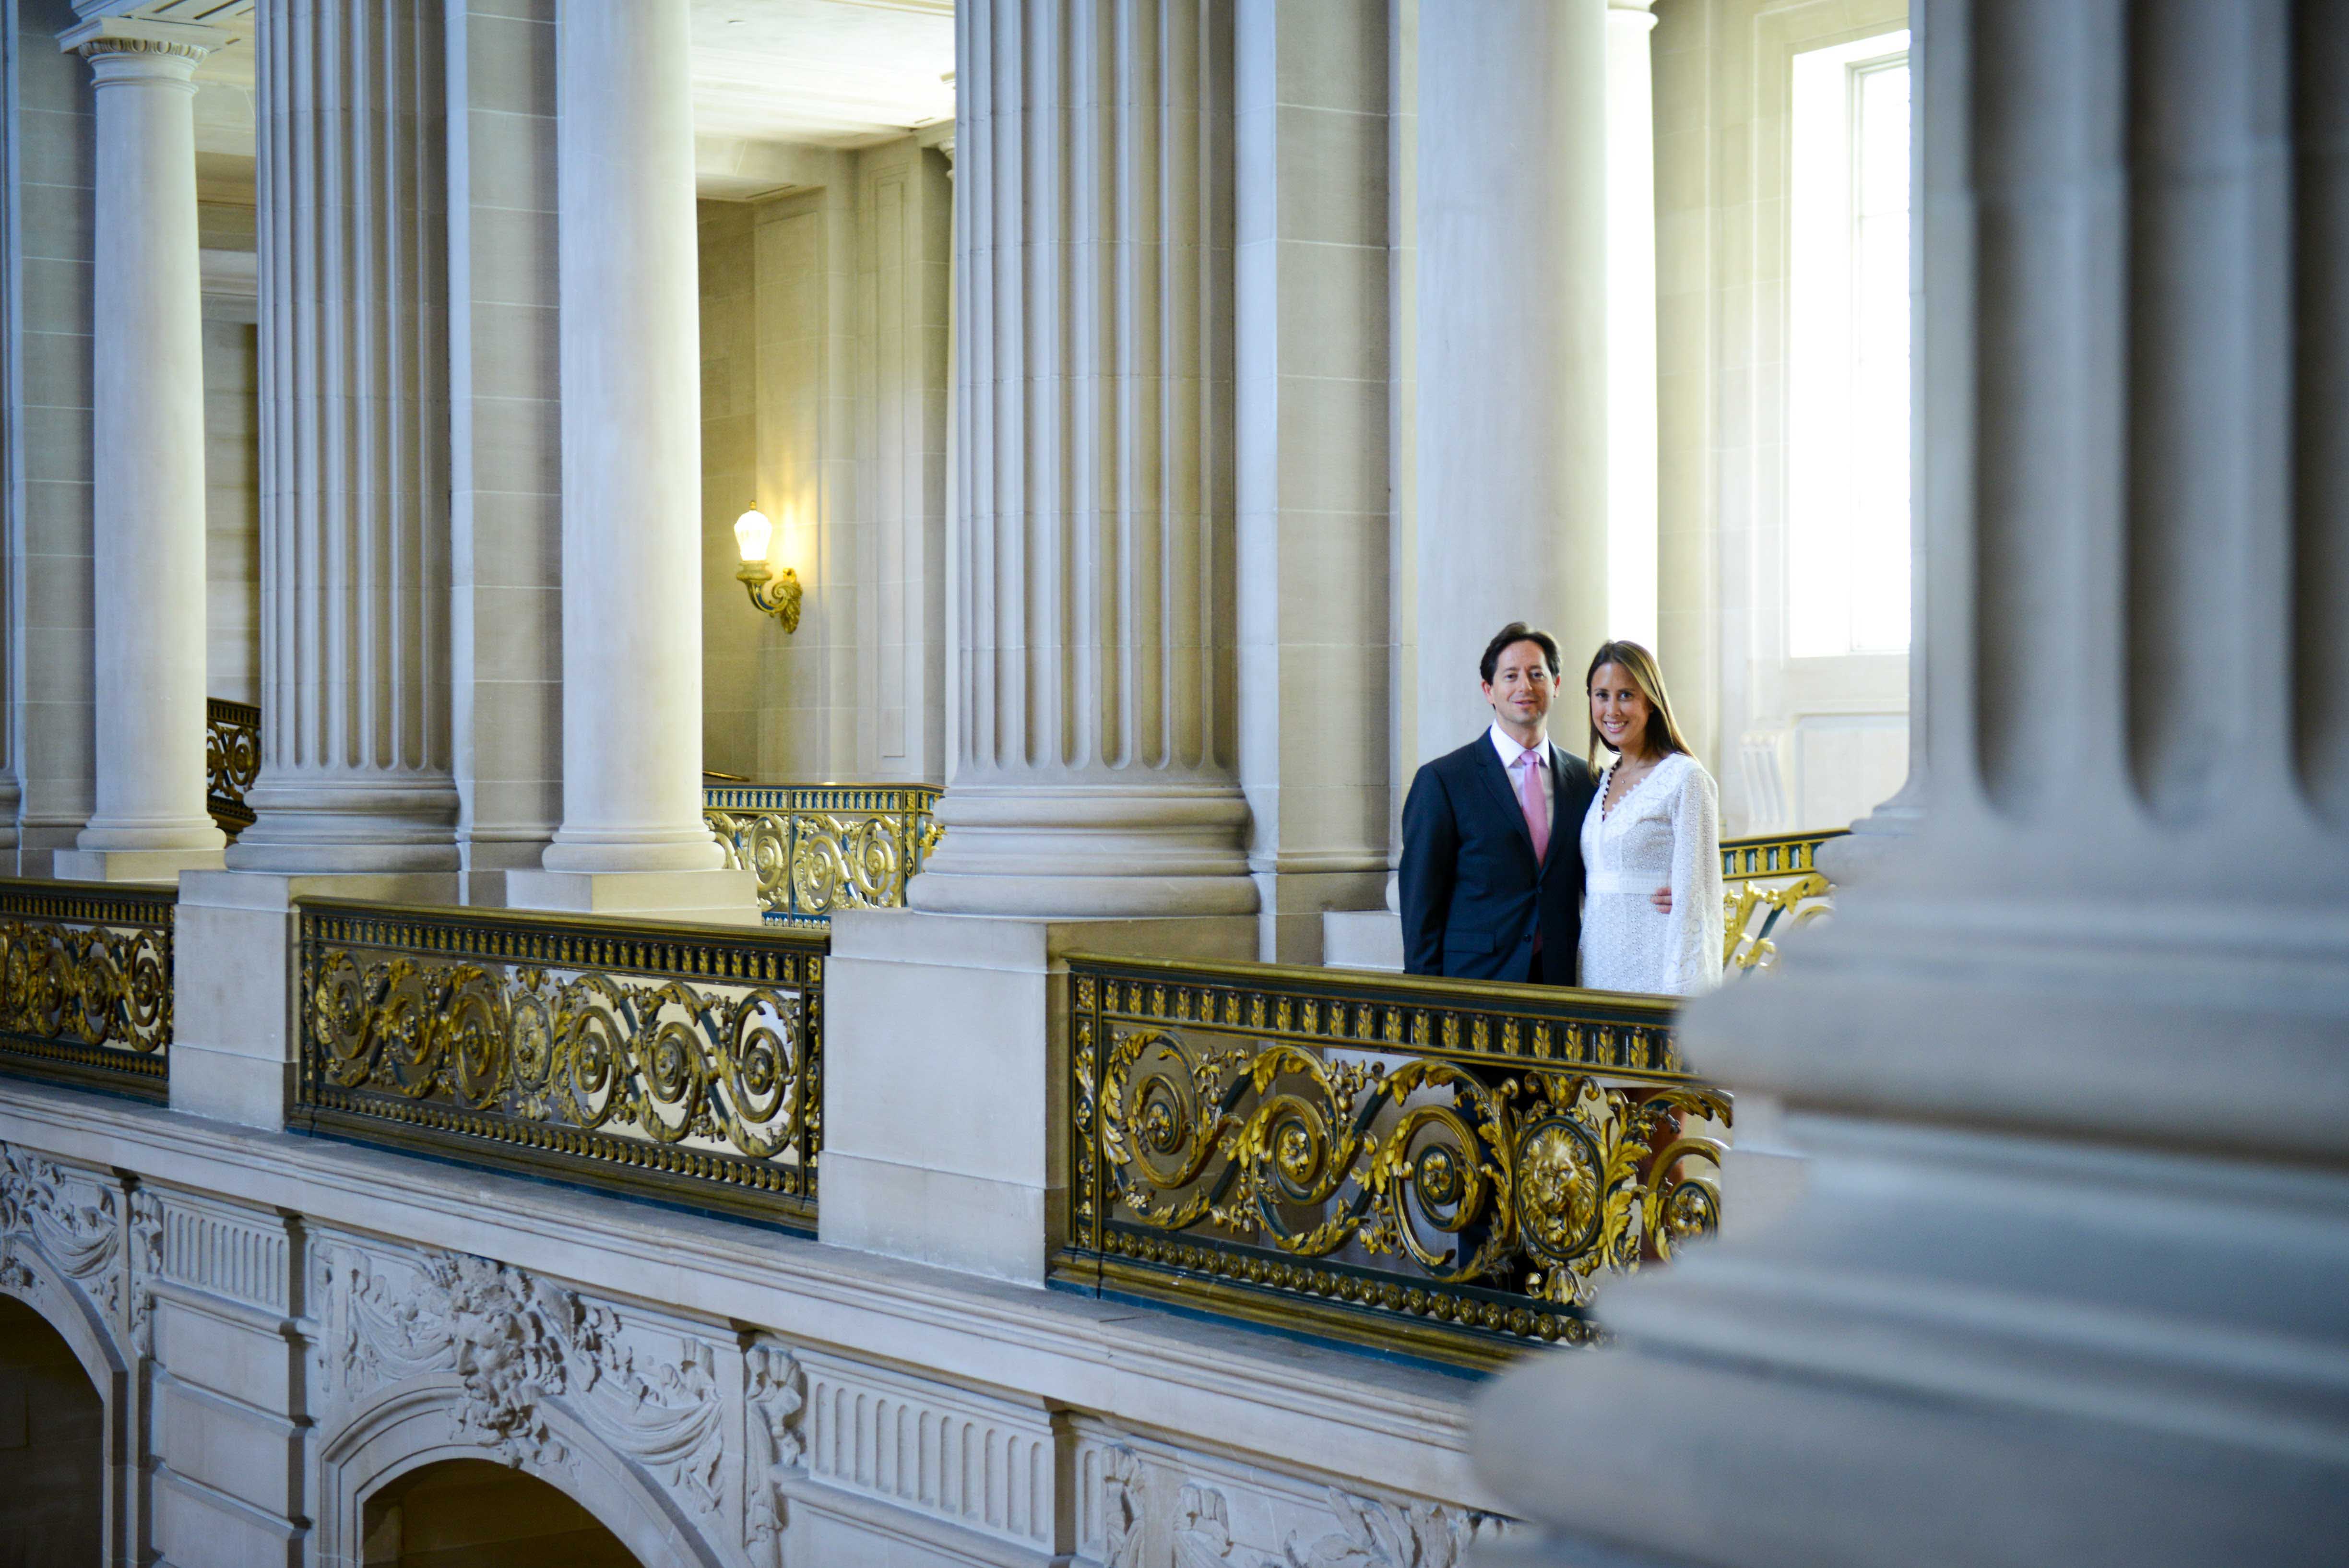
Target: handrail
{"points": [[86, 983], [821, 847], [1770, 880], [1442, 1167], [1774, 854], [231, 761], [671, 1062]]}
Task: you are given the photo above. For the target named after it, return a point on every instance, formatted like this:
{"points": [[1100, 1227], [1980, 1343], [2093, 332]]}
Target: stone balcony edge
{"points": [[1252, 1394]]}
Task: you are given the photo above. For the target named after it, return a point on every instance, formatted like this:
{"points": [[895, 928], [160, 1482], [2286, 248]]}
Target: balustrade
{"points": [[231, 761], [86, 984], [1768, 881], [817, 848], [1435, 1166], [678, 1062]]}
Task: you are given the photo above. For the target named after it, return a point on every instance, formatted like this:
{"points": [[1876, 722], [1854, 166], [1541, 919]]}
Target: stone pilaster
{"points": [[147, 434], [1631, 599], [1512, 415], [1092, 702], [355, 773], [1314, 401], [632, 839], [2064, 1283]]}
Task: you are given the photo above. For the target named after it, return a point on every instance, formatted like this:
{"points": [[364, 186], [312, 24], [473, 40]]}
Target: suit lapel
{"points": [[1496, 780], [1564, 822]]}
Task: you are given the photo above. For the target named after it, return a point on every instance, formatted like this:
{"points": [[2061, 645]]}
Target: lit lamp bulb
{"points": [[753, 532], [777, 594]]}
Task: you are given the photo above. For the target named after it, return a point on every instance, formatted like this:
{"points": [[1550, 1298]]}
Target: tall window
{"points": [[1848, 472]]}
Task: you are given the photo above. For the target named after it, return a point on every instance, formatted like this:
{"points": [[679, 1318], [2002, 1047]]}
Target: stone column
{"points": [[147, 434], [1512, 358], [356, 770], [632, 839], [1314, 490], [1631, 607], [2065, 1283], [1093, 703]]}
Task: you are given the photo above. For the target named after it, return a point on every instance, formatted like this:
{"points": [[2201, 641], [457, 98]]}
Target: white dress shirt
{"points": [[1510, 752]]}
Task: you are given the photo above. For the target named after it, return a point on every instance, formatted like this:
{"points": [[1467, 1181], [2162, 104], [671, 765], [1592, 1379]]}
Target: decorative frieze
{"points": [[987, 1464]]}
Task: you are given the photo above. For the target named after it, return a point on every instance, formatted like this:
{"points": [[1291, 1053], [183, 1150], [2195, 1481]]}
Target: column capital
{"points": [[169, 48]]}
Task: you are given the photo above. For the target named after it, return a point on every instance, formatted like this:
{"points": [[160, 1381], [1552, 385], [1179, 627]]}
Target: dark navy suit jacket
{"points": [[1472, 894]]}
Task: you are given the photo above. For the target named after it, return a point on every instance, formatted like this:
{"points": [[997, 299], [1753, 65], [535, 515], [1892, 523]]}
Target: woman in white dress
{"points": [[1654, 823]]}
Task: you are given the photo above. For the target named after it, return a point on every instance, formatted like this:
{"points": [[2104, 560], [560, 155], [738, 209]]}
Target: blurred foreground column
{"points": [[2067, 1285]]}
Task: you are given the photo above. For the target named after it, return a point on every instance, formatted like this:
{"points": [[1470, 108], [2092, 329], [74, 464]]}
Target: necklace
{"points": [[1628, 781]]}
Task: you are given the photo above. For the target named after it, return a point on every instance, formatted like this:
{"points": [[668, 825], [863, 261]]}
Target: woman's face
{"points": [[1618, 709]]}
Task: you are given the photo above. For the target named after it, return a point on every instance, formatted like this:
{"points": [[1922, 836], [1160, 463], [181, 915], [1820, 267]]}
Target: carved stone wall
{"points": [[1142, 1502], [289, 1369]]}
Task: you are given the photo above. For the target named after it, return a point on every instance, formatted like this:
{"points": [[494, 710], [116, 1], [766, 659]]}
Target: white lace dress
{"points": [[1664, 832]]}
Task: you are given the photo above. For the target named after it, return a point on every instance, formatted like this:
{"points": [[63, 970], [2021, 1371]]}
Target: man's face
{"points": [[1522, 686]]}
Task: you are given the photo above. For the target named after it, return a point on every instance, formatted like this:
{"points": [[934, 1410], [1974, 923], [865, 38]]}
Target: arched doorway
{"points": [[474, 1513], [52, 1448]]}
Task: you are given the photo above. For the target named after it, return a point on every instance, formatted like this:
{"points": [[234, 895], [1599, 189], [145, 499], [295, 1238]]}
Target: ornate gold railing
{"points": [[678, 1062], [818, 848], [231, 761], [1441, 1167], [1766, 882], [86, 983]]}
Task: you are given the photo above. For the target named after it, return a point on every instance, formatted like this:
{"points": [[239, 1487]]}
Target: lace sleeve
{"points": [[1692, 955]]}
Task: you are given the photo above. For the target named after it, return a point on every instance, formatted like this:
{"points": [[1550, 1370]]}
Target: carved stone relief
{"points": [[1154, 1506], [774, 1397], [73, 1218], [521, 1346]]}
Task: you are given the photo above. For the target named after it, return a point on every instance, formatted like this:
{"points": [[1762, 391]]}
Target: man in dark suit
{"points": [[1492, 850]]}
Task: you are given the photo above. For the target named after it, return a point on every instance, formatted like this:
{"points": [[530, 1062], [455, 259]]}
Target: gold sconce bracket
{"points": [[776, 594]]}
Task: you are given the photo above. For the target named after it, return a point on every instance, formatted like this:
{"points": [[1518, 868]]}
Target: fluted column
{"points": [[1093, 700], [2065, 1286], [632, 837], [147, 470], [1512, 357], [356, 771]]}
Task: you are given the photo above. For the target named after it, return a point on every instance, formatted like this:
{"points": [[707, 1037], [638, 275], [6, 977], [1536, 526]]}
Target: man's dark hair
{"points": [[1518, 632]]}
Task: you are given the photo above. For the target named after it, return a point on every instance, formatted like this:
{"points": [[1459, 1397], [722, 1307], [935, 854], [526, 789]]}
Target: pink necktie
{"points": [[1529, 796]]}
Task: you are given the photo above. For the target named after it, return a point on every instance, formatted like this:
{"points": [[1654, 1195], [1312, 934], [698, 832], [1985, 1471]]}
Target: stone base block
{"points": [[944, 1086], [710, 898], [130, 865], [234, 1042], [1362, 938]]}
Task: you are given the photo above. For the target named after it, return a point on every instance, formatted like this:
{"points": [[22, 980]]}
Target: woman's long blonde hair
{"points": [[1663, 731]]}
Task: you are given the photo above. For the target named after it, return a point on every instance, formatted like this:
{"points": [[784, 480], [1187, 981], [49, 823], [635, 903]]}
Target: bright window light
{"points": [[1847, 359]]}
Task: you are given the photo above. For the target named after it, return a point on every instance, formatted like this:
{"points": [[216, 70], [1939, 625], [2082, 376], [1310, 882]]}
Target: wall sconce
{"points": [[777, 594]]}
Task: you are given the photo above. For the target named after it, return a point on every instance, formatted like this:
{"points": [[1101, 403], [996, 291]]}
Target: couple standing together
{"points": [[1518, 864]]}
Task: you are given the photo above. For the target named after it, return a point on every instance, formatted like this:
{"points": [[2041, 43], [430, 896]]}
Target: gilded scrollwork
{"points": [[85, 983], [820, 848], [232, 760], [1769, 886], [691, 1058], [1475, 1168]]}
